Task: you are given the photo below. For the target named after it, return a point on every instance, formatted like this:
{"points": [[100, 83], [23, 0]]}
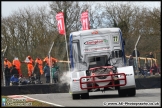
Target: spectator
{"points": [[23, 81], [36, 71], [7, 76], [154, 68], [17, 63], [131, 61], [141, 71], [146, 69], [14, 80], [7, 62], [30, 67], [47, 72], [14, 71], [55, 72], [150, 55], [46, 60], [134, 53], [32, 79], [40, 64]]}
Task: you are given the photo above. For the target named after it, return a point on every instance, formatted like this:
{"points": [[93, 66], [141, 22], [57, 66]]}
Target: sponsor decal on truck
{"points": [[96, 41]]}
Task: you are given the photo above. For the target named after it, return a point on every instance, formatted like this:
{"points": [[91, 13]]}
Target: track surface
{"points": [[98, 98]]}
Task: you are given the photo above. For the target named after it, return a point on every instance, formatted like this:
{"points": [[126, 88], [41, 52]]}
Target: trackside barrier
{"points": [[141, 83], [146, 83]]}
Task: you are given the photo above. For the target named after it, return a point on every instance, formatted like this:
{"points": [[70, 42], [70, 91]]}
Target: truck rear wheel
{"points": [[131, 91], [122, 92], [76, 96], [85, 95]]}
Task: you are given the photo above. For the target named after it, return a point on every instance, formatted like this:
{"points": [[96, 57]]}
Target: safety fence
{"points": [[141, 61]]}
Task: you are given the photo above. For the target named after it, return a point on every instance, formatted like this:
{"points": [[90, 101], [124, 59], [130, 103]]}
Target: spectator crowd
{"points": [[145, 70], [35, 69]]}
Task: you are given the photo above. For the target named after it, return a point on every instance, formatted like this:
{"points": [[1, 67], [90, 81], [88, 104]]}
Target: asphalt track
{"points": [[144, 97]]}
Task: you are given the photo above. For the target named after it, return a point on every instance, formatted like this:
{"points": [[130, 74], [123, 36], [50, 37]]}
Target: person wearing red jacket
{"points": [[40, 64], [17, 63]]}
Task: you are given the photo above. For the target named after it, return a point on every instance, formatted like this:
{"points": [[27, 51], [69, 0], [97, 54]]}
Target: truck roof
{"points": [[100, 30]]}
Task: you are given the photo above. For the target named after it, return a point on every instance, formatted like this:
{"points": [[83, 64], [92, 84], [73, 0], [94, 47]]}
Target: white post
{"points": [[66, 46], [136, 58], [50, 63], [136, 52], [4, 80]]}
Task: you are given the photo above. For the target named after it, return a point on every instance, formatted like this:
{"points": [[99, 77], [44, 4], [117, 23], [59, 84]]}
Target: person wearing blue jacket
{"points": [[47, 72], [14, 80]]}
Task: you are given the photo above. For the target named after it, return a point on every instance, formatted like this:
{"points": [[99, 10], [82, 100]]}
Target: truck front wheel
{"points": [[76, 96], [85, 95], [125, 92], [122, 92], [131, 92]]}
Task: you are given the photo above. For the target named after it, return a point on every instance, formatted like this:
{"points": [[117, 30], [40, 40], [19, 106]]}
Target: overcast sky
{"points": [[7, 7]]}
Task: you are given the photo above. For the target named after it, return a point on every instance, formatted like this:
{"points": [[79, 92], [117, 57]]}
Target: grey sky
{"points": [[7, 7]]}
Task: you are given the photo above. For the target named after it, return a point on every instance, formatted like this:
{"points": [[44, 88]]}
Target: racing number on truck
{"points": [[115, 38]]}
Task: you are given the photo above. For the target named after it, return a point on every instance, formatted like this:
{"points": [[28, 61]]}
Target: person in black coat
{"points": [[134, 53], [7, 75], [36, 71], [131, 62], [14, 71], [150, 55]]}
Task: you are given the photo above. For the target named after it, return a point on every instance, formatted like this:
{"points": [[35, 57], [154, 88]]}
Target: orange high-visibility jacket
{"points": [[40, 64], [16, 63], [30, 65], [51, 59], [8, 63]]}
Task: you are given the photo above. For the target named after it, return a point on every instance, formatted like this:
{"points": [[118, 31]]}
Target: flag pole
{"points": [[66, 45]]}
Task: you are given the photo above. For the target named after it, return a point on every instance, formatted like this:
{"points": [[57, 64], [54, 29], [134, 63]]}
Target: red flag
{"points": [[85, 21], [60, 24]]}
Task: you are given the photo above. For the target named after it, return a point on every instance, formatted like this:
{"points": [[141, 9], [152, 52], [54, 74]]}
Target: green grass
{"points": [[34, 103]]}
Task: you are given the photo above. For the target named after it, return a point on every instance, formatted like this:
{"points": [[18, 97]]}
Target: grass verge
{"points": [[28, 102]]}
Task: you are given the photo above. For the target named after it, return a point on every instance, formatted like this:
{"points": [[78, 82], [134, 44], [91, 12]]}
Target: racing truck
{"points": [[98, 63]]}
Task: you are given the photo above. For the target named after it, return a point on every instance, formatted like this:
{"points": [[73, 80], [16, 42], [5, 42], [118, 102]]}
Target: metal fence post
{"points": [[136, 53], [50, 62], [3, 53]]}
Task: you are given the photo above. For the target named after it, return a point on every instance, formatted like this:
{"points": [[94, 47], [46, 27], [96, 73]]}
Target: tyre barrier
{"points": [[146, 83], [141, 83]]}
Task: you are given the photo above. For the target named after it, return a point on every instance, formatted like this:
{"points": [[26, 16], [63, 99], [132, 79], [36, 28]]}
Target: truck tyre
{"points": [[122, 92], [131, 91], [76, 96], [85, 95]]}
